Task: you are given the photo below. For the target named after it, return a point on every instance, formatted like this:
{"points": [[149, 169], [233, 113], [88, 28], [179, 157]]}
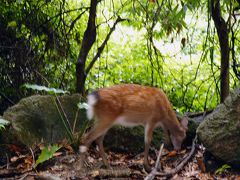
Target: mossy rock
{"points": [[39, 118], [220, 131], [125, 139]]}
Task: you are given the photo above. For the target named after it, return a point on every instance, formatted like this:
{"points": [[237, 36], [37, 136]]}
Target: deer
{"points": [[131, 105]]}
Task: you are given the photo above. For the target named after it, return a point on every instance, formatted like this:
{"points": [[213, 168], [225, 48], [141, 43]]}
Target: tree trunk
{"points": [[81, 76], [89, 38], [222, 32]]}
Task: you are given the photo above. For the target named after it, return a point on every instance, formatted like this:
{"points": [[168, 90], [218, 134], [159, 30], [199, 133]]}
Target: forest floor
{"points": [[66, 164]]}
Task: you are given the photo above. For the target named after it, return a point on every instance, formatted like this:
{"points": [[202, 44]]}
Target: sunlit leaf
{"points": [[82, 105], [3, 123], [44, 88], [12, 24]]}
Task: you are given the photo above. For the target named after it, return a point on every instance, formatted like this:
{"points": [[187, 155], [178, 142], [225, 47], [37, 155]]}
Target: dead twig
{"points": [[157, 167], [33, 158], [179, 166], [25, 175], [158, 164], [7, 160]]}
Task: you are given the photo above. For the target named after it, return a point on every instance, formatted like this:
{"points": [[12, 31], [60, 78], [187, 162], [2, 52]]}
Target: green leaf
{"points": [[3, 123], [44, 88], [223, 169], [179, 14], [18, 1], [184, 24], [83, 105], [12, 24], [175, 8], [47, 153]]}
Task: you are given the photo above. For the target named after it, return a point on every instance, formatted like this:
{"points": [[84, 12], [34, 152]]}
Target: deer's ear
{"points": [[184, 122]]}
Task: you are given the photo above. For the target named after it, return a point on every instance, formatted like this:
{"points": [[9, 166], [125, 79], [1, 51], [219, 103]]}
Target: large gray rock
{"points": [[220, 131], [37, 118]]}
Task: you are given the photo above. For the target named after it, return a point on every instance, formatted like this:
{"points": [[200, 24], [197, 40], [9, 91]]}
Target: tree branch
{"points": [[75, 20], [101, 48]]}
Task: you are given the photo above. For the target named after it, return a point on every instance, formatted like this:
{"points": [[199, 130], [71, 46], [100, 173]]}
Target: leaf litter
{"points": [[67, 164]]}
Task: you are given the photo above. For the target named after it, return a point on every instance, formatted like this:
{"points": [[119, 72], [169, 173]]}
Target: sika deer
{"points": [[131, 105]]}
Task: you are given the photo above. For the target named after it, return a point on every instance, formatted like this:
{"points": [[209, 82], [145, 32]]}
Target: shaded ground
{"points": [[66, 164]]}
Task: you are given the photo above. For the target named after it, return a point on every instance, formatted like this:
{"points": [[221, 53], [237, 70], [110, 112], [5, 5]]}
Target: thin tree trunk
{"points": [[222, 32], [89, 38]]}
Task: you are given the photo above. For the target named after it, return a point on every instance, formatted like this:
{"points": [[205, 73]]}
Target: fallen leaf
{"points": [[57, 154], [14, 159], [94, 173], [182, 151], [90, 159], [28, 160], [69, 148], [14, 148], [172, 153]]}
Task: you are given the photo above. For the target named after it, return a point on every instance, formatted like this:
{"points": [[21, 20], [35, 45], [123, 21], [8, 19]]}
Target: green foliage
{"points": [[223, 169], [47, 153], [3, 123], [167, 44]]}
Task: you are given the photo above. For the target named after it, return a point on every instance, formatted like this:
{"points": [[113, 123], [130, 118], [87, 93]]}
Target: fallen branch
{"points": [[179, 166], [157, 166], [111, 173], [101, 48]]}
